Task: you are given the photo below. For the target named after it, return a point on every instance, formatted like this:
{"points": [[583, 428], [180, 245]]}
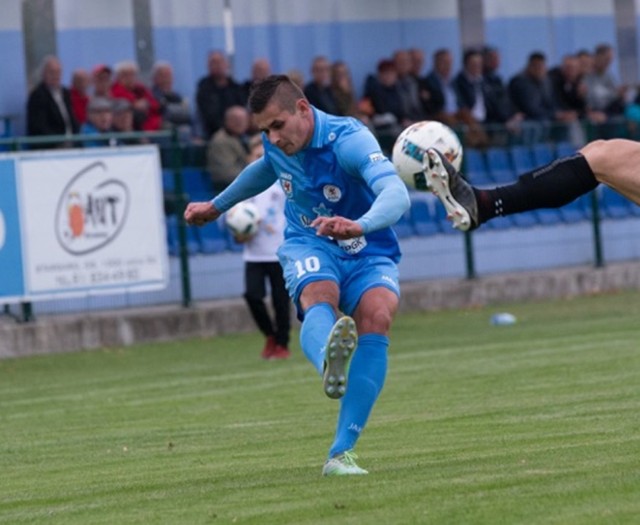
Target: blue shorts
{"points": [[305, 261]]}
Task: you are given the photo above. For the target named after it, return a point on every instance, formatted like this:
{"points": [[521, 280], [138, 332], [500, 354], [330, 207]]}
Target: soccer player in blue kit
{"points": [[339, 255]]}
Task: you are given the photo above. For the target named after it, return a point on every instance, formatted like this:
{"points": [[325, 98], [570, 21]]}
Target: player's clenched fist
{"points": [[337, 227], [199, 213]]}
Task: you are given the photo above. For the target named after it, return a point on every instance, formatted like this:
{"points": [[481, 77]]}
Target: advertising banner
{"points": [[82, 222], [11, 271]]}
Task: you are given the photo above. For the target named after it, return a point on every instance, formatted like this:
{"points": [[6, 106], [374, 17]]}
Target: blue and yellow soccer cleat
{"points": [[341, 344], [343, 465]]}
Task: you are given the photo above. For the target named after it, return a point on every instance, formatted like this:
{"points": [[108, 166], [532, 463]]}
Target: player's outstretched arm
{"points": [[253, 179]]}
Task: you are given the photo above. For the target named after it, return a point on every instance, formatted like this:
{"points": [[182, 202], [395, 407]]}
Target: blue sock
{"points": [[367, 373], [318, 320]]}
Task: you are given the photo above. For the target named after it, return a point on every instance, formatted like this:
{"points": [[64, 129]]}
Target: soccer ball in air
{"points": [[412, 144], [243, 219]]}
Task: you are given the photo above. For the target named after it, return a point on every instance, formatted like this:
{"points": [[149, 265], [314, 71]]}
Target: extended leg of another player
{"points": [[615, 163]]}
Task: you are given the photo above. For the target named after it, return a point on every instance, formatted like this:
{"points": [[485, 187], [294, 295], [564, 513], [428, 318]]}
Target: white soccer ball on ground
{"points": [[243, 220], [411, 145]]}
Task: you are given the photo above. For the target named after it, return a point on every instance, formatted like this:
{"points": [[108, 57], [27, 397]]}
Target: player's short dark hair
{"points": [[279, 88]]}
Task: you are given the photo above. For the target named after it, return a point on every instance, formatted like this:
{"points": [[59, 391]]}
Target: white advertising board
{"points": [[90, 221]]}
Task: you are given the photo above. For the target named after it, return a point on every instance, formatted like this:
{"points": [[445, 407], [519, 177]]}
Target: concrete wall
{"points": [[208, 320]]}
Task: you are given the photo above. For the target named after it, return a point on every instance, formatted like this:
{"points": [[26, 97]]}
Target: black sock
{"points": [[551, 186]]}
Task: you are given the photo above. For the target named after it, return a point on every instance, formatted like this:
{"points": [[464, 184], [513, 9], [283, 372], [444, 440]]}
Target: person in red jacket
{"points": [[146, 109]]}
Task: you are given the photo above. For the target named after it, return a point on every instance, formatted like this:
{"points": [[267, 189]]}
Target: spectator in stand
{"points": [[344, 93], [632, 114], [297, 77], [342, 90], [490, 66], [261, 265], [216, 92], [530, 92], [388, 116], [472, 98], [123, 121], [603, 92], [585, 59], [569, 94], [101, 77], [174, 108], [566, 86], [49, 110], [318, 90], [79, 93], [408, 86], [417, 62], [442, 102], [260, 69], [501, 111], [99, 121], [228, 148], [146, 109]]}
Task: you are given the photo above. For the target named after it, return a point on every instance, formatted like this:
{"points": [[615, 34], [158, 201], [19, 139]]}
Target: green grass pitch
{"points": [[538, 422]]}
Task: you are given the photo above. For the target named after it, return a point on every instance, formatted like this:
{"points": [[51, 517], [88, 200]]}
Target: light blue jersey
{"points": [[341, 172], [332, 176], [338, 173]]}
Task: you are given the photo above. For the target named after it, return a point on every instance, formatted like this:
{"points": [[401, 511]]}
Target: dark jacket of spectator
{"points": [[499, 107], [530, 90], [213, 100], [384, 93], [467, 91], [566, 87], [44, 117], [321, 97], [318, 91], [435, 103]]}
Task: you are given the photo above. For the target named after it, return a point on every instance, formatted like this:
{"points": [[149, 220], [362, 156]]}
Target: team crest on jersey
{"points": [[332, 193], [287, 187]]}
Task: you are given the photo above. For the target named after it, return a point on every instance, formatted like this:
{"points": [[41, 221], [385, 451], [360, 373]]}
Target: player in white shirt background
{"points": [[261, 266]]}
